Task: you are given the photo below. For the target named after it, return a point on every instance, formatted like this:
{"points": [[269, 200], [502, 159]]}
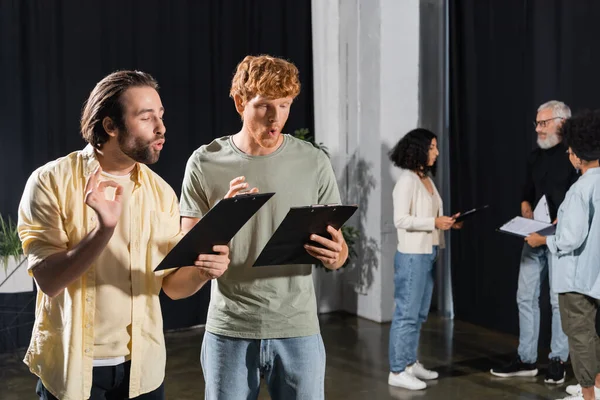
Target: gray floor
{"points": [[357, 366]]}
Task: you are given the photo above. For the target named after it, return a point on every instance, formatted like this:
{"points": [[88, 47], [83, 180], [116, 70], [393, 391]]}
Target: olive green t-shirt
{"points": [[260, 302]]}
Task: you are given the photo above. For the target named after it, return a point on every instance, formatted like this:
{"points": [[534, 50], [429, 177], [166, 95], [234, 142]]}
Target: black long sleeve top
{"points": [[550, 173]]}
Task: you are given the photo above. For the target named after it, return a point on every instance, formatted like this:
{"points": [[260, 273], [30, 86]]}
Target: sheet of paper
{"points": [[523, 226], [542, 211]]}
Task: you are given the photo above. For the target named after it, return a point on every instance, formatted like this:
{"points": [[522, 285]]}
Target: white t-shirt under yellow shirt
{"points": [[112, 319]]}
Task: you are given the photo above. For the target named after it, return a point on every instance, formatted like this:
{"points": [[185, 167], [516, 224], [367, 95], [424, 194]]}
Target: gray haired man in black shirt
{"points": [[549, 174]]}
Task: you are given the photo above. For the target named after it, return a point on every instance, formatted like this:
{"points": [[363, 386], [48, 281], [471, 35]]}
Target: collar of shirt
{"points": [[91, 163]]}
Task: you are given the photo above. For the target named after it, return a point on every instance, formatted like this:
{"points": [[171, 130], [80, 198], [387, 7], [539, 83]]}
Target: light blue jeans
{"points": [[536, 265], [293, 368], [413, 280]]}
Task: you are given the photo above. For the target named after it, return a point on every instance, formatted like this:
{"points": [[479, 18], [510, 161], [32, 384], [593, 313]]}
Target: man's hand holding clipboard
{"points": [[302, 237], [331, 250]]}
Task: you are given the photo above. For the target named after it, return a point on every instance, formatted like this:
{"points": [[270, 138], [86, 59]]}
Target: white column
{"points": [[366, 69], [329, 127], [326, 77], [399, 114]]}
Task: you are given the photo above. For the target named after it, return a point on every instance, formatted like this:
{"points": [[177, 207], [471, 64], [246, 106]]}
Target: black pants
{"points": [[109, 383]]}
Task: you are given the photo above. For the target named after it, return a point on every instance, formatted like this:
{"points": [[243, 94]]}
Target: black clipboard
{"points": [[548, 230], [217, 227], [286, 246], [470, 213]]}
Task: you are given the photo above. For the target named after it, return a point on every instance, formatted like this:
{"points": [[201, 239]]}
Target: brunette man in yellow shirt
{"points": [[94, 225]]}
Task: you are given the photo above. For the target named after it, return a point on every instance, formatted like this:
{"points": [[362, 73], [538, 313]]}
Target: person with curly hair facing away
{"points": [[420, 222], [574, 246], [263, 321]]}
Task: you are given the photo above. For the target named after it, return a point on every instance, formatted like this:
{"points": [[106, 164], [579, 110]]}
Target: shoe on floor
{"points": [[575, 390], [406, 380], [515, 368], [573, 397], [556, 372], [419, 371]]}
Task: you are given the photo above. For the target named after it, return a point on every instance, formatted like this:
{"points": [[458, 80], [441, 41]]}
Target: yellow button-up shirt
{"points": [[53, 217]]}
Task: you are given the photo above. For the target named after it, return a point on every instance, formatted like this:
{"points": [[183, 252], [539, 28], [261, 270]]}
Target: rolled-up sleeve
{"points": [[328, 189], [194, 203], [573, 225], [40, 224]]}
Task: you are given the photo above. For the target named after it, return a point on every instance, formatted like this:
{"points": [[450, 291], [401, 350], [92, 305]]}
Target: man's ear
{"points": [[109, 126], [239, 104]]}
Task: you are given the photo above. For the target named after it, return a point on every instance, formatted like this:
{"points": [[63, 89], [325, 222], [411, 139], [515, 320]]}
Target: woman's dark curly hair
{"points": [[412, 151], [582, 134]]}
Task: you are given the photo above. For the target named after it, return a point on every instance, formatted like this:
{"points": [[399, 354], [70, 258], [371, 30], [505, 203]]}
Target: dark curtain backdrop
{"points": [[507, 57], [52, 53]]}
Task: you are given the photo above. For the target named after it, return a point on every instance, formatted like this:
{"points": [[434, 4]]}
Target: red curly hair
{"points": [[267, 76]]}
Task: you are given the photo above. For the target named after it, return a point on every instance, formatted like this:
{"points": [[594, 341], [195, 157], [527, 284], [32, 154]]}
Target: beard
{"points": [[137, 149], [549, 142]]}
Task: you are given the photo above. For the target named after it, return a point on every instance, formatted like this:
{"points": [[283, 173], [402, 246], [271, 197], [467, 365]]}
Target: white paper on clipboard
{"points": [[542, 211], [524, 227]]}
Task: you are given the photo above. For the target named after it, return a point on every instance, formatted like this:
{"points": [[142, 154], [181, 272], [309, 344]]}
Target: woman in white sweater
{"points": [[419, 219]]}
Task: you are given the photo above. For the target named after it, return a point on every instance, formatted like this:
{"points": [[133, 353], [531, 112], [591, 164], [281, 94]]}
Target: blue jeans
{"points": [[293, 368], [413, 280], [535, 267]]}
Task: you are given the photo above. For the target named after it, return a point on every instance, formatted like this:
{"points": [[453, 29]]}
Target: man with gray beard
{"points": [[549, 173]]}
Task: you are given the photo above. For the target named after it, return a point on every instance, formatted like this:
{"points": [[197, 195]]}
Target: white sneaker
{"points": [[419, 371], [406, 380], [574, 397], [575, 390]]}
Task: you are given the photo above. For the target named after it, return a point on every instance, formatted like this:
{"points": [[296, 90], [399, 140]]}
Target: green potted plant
{"points": [[10, 244], [14, 277], [350, 233]]}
